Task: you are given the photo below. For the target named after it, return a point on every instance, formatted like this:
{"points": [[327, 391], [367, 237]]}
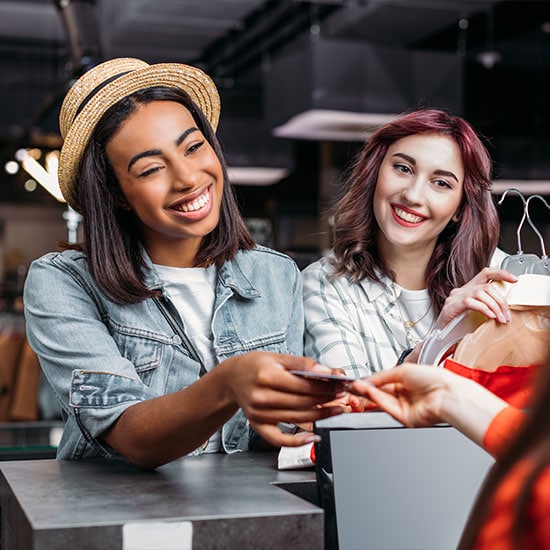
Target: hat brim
{"points": [[191, 80]]}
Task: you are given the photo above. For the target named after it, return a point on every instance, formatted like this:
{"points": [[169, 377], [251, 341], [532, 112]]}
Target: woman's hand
{"points": [[478, 294], [261, 384], [412, 394], [422, 395]]}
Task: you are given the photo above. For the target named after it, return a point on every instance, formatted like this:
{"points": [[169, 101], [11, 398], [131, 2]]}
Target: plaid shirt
{"points": [[353, 326]]}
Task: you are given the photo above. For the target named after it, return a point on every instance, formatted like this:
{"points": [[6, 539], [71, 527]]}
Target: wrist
{"points": [[469, 407], [221, 383]]}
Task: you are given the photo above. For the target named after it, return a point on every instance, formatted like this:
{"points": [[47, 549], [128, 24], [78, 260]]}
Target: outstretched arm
{"points": [[422, 395], [149, 433]]}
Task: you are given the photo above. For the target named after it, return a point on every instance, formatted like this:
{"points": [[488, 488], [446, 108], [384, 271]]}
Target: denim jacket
{"points": [[101, 357]]}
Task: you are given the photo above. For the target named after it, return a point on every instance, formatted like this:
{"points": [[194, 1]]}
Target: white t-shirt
{"points": [[414, 306], [192, 290]]}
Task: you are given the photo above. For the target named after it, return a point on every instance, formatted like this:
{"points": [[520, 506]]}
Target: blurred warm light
{"points": [[46, 177], [21, 154], [52, 162], [30, 185], [11, 167]]}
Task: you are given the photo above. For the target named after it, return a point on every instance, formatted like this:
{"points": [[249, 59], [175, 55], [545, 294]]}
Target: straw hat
{"points": [[103, 86]]}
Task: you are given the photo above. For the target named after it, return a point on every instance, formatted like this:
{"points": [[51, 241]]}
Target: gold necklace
{"points": [[408, 325]]}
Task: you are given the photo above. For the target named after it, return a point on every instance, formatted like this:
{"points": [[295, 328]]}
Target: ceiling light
{"points": [[527, 187], [489, 58], [255, 175], [332, 125]]}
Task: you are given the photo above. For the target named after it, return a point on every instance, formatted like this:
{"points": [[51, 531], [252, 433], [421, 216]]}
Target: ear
{"points": [[457, 216], [123, 204]]}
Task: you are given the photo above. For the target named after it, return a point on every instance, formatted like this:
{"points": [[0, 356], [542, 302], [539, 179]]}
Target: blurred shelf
{"points": [[29, 440]]}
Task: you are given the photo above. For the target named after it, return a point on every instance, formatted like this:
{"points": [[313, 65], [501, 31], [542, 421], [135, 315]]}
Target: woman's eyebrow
{"points": [[446, 173], [405, 157], [413, 162], [153, 152], [181, 139]]}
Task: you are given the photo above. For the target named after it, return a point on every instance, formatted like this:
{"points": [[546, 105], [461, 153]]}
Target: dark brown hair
{"points": [[111, 236], [463, 248], [533, 445]]}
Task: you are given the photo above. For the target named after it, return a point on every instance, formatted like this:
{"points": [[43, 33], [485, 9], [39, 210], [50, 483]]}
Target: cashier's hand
{"points": [[268, 393], [478, 294], [412, 394]]}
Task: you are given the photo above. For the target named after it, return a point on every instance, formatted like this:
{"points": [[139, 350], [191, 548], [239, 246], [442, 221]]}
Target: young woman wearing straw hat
{"points": [[416, 221], [167, 331]]}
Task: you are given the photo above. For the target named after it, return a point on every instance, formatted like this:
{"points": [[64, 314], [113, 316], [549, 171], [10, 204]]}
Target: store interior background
{"points": [[334, 69]]}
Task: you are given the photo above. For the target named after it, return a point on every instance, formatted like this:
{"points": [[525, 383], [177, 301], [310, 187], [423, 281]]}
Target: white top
{"points": [[415, 312], [192, 290]]}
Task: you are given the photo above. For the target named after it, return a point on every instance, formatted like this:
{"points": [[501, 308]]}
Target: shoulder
{"points": [[264, 264], [55, 270], [67, 259], [321, 270], [265, 255], [318, 277]]}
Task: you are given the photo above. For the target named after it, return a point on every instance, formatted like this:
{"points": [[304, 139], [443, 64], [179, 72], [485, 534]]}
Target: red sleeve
{"points": [[502, 430], [497, 530]]}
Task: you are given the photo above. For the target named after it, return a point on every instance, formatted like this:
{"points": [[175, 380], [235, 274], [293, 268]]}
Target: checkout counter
{"points": [[208, 501]]}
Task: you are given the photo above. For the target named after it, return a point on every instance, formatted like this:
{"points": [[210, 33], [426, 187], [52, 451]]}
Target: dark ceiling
{"points": [[243, 43]]}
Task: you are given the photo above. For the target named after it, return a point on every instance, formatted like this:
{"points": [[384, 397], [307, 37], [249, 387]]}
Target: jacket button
{"points": [[176, 340]]}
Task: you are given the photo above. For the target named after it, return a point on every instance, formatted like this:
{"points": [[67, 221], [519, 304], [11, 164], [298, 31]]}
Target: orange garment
{"points": [[514, 384], [502, 430], [496, 532]]}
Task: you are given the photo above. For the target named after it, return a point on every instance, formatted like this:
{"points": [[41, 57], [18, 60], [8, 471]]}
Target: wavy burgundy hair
{"points": [[463, 248]]}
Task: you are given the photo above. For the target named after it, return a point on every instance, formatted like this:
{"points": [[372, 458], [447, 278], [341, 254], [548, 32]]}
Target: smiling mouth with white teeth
{"points": [[407, 216], [196, 204]]}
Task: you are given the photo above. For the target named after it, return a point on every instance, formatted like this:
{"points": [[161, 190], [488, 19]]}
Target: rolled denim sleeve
{"points": [[65, 326]]}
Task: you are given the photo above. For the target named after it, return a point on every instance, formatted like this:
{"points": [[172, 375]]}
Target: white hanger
{"points": [[542, 266], [520, 262]]}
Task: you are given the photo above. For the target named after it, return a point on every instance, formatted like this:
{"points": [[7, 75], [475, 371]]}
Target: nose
{"points": [[412, 192], [184, 173]]}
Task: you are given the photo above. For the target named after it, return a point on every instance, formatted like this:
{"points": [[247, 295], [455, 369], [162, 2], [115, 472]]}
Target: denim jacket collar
{"points": [[230, 275]]}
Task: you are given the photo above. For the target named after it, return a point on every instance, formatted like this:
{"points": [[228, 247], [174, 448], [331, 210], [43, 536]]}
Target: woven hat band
{"points": [[99, 87]]}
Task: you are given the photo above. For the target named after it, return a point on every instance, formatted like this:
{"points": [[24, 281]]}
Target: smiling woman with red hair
{"points": [[416, 221]]}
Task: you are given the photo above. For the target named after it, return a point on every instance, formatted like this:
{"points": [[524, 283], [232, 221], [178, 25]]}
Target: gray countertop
{"points": [[232, 501]]}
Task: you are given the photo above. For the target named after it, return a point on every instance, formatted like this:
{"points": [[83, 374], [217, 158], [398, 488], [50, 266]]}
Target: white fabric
{"points": [[192, 290], [415, 306]]}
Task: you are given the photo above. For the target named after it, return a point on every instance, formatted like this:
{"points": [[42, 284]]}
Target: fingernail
{"points": [[312, 439], [321, 368]]}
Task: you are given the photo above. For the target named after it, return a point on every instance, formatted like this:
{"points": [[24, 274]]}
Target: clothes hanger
{"points": [[520, 262], [542, 266]]}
